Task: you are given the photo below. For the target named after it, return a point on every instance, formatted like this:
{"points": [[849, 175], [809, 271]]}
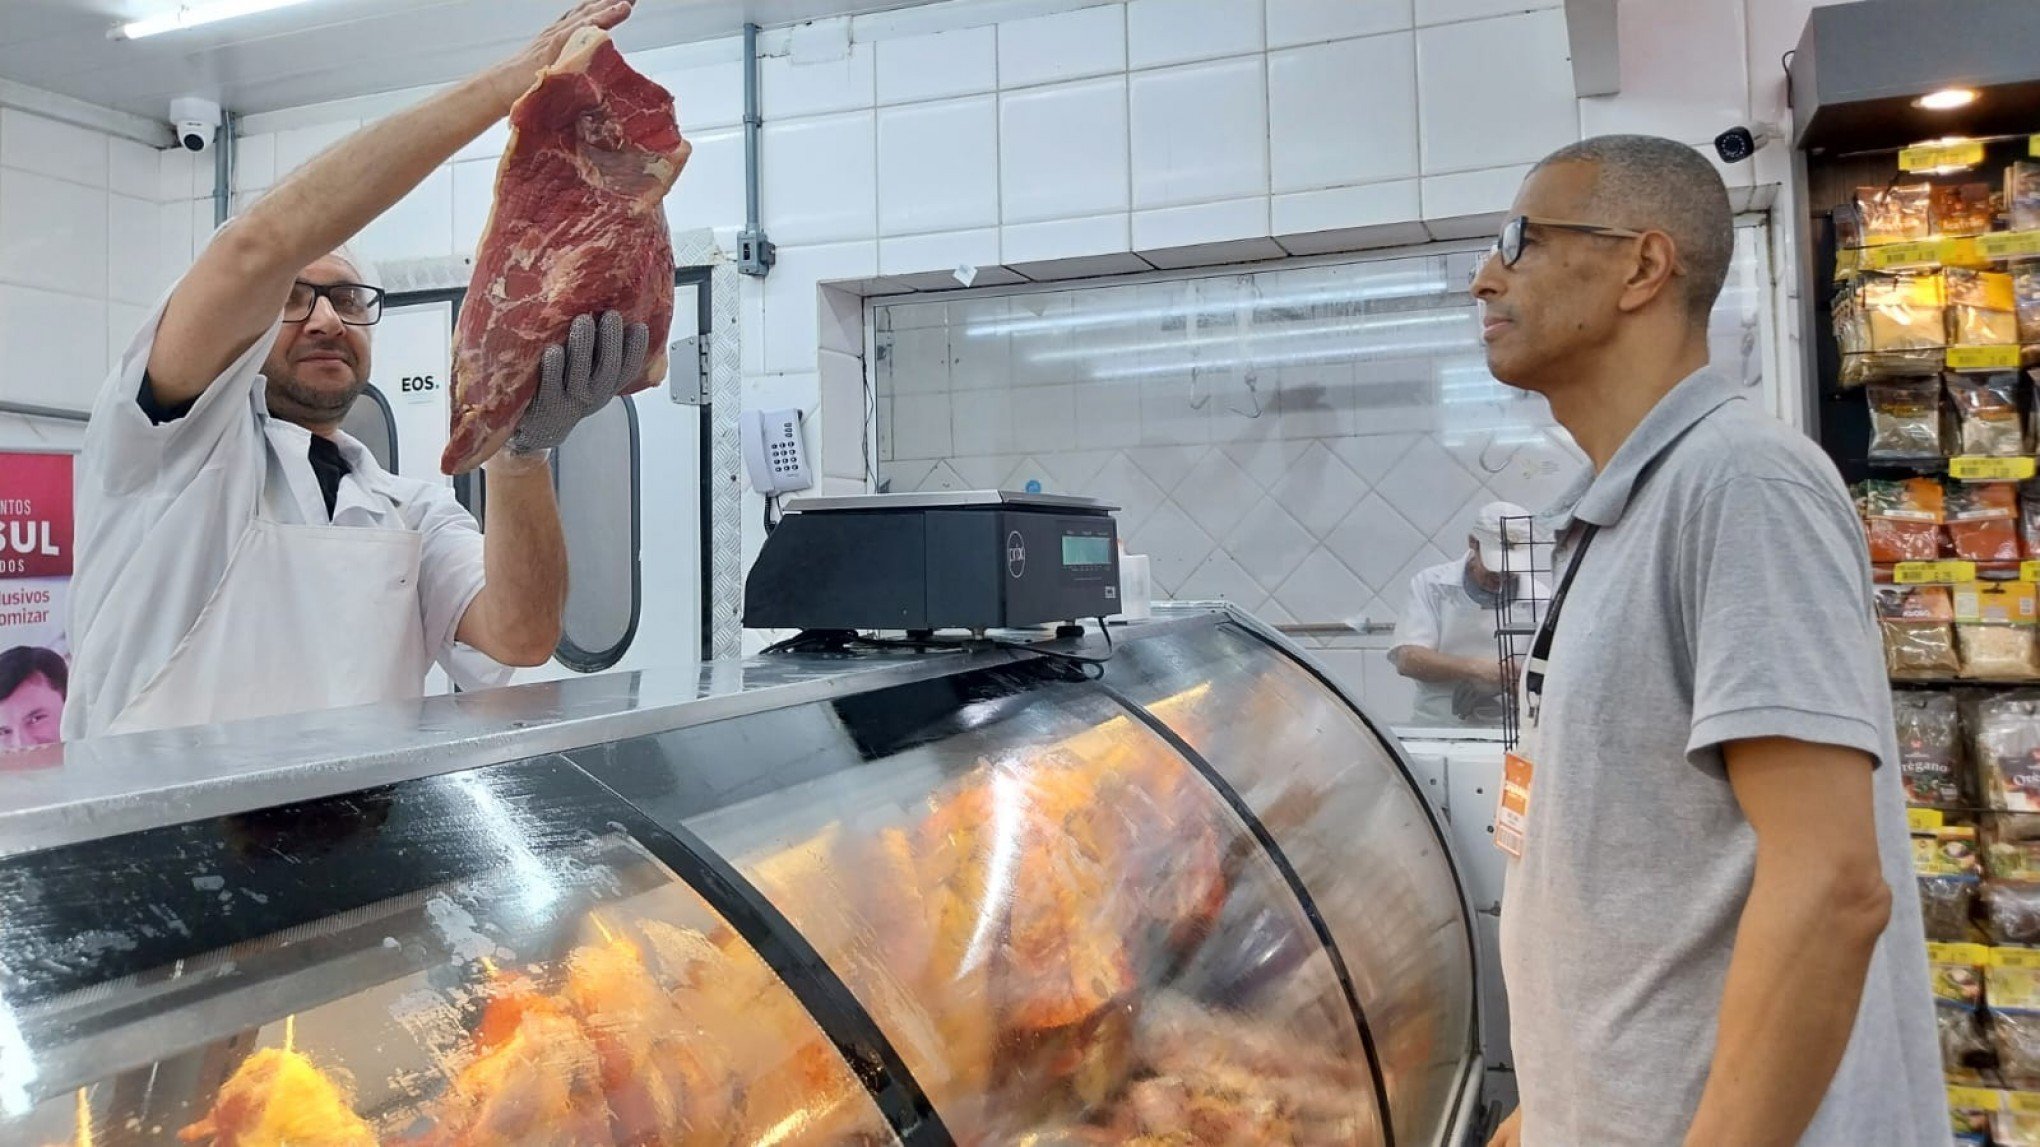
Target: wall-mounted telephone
{"points": [[773, 454]]}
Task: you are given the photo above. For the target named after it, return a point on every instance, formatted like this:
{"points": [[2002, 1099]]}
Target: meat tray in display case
{"points": [[1188, 895]]}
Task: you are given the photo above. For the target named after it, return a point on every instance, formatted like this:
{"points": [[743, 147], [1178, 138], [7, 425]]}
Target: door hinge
{"points": [[687, 371]]}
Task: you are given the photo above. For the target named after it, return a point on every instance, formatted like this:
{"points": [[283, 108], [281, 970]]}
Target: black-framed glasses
{"points": [[356, 304], [1509, 245]]}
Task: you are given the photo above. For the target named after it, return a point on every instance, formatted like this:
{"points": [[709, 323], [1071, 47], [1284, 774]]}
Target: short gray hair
{"points": [[1646, 182], [363, 267]]}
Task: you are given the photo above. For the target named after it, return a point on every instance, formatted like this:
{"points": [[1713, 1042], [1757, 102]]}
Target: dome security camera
{"points": [[196, 121]]}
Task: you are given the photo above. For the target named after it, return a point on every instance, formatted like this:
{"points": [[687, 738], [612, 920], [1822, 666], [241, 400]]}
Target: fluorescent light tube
{"points": [[192, 15]]}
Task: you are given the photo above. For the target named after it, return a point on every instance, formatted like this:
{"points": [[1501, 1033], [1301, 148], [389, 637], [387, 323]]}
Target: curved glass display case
{"points": [[1178, 891]]}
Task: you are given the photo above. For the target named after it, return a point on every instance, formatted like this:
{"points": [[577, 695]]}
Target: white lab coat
{"points": [[1442, 616], [211, 586]]}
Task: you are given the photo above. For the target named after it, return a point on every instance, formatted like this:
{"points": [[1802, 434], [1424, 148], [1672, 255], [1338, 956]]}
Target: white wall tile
{"points": [[474, 195], [981, 422], [1683, 72], [820, 180], [1476, 193], [1203, 223], [706, 95], [1045, 419], [296, 145], [1339, 208], [1064, 46], [46, 147], [1343, 113], [1064, 239], [789, 88], [711, 190], [135, 273], [906, 255], [792, 317], [420, 226], [54, 347], [491, 144], [938, 166], [1495, 92], [921, 426], [1293, 22], [254, 162], [55, 234], [175, 242], [202, 226], [182, 176], [1063, 151], [1162, 32], [1449, 11], [959, 63], [841, 416], [751, 325], [1200, 133], [133, 169]]}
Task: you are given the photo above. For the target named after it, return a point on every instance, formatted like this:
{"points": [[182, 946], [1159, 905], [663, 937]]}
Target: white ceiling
{"points": [[327, 49]]}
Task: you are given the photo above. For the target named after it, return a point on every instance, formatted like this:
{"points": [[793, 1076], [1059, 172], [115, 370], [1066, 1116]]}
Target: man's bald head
{"points": [[1646, 183]]}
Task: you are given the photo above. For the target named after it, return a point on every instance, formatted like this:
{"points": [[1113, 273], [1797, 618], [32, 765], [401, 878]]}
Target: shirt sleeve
{"points": [[126, 450], [1778, 620], [1419, 623], [450, 577]]}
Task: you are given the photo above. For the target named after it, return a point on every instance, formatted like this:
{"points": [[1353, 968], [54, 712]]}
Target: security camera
{"points": [[1739, 143], [196, 122]]}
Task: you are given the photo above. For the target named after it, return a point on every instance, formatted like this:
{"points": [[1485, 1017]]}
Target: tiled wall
{"points": [[1299, 441], [92, 229], [1099, 137]]}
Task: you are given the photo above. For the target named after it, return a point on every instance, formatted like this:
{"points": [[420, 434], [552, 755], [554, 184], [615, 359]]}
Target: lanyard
{"points": [[1540, 646]]}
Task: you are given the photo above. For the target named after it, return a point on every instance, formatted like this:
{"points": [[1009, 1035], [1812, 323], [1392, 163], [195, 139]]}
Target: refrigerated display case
{"points": [[1171, 889]]}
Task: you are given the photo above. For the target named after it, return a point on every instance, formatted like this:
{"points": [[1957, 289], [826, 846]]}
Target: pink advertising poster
{"points": [[35, 580]]}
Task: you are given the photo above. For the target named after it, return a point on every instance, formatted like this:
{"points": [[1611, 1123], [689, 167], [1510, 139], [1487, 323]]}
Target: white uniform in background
{"points": [[211, 585], [1442, 615]]}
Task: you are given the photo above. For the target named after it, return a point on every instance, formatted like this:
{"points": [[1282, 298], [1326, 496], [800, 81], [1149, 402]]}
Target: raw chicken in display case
{"points": [[920, 899]]}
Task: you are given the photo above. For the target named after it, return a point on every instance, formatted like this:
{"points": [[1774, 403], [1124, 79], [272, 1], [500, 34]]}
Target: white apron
{"points": [[306, 617], [1465, 629]]}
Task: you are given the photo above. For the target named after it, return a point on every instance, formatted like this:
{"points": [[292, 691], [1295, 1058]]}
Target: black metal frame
{"points": [[569, 654]]}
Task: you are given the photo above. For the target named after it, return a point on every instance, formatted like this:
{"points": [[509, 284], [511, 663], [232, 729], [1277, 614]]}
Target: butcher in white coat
{"points": [[238, 555]]}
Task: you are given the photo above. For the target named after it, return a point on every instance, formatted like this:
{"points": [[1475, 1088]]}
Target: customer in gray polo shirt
{"points": [[1712, 934]]}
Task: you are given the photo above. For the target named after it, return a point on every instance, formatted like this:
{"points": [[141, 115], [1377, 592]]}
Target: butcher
{"points": [[239, 556]]}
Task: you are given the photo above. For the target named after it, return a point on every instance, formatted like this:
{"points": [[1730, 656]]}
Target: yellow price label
{"points": [[2033, 145], [2009, 244], [1971, 468], [1924, 819], [1933, 156], [2022, 1102], [2029, 571], [1974, 955], [1933, 573], [1847, 261], [1983, 358], [1962, 251], [1972, 1098], [1922, 253], [2015, 957]]}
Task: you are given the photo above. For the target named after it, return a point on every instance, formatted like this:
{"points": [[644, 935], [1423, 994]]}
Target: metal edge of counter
{"points": [[1275, 639], [65, 795]]}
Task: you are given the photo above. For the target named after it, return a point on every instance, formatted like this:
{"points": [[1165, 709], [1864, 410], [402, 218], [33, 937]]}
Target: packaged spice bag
{"points": [[1905, 419], [1919, 633], [1929, 747], [1963, 209], [1995, 631], [2005, 745], [1896, 214], [1903, 518], [1983, 522]]}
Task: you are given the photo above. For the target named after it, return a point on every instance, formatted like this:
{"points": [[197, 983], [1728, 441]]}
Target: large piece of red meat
{"points": [[578, 227]]}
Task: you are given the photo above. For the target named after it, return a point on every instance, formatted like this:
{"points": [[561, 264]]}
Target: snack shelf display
{"points": [[1929, 408], [980, 897]]}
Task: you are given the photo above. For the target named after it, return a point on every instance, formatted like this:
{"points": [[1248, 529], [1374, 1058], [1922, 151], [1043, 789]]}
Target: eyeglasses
{"points": [[356, 304], [1510, 243]]}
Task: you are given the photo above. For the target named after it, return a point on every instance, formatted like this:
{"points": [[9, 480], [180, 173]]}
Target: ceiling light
{"points": [[192, 15], [1947, 99]]}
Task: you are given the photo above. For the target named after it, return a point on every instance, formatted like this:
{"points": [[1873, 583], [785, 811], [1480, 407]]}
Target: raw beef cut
{"points": [[578, 227]]}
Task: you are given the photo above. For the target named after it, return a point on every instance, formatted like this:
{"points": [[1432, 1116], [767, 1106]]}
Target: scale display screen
{"points": [[1086, 551]]}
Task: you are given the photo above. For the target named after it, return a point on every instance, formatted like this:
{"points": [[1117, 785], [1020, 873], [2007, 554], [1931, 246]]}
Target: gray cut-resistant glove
{"points": [[578, 379]]}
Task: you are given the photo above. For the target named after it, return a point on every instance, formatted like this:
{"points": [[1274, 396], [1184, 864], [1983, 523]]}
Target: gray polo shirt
{"points": [[1725, 597]]}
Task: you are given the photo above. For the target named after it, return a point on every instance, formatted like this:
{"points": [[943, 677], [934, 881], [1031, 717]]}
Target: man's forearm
{"points": [[1795, 979], [1419, 663], [517, 618]]}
